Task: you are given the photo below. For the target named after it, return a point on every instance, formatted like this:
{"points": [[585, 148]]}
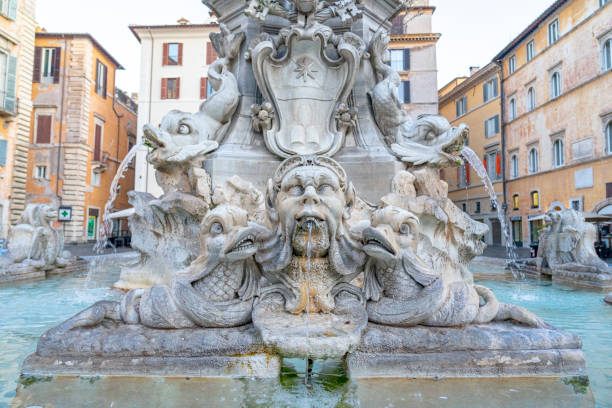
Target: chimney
{"points": [[473, 70], [182, 21]]}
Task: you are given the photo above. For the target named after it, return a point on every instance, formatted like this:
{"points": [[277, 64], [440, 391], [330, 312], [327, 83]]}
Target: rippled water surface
{"points": [[28, 309]]}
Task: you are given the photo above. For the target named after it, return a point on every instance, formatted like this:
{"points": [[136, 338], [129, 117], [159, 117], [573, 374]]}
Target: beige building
{"points": [[475, 100], [413, 55], [557, 100], [17, 28], [174, 64]]}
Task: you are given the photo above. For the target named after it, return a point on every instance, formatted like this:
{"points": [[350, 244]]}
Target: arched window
{"points": [[533, 160], [531, 99], [512, 109], [555, 85], [514, 166], [609, 137], [606, 55], [515, 202], [558, 158]]}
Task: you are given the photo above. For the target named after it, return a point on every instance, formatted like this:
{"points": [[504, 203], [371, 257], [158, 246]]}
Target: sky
{"points": [[473, 31]]}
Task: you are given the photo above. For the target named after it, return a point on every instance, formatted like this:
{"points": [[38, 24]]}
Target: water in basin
{"points": [[31, 308]]}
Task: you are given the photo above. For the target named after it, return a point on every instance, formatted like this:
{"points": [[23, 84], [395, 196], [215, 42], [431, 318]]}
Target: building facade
{"points": [[475, 101], [412, 49], [557, 99], [17, 27], [82, 127], [174, 65]]}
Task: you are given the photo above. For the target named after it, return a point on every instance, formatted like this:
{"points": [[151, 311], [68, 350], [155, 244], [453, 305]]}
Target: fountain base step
{"points": [[580, 276], [121, 349], [492, 350], [24, 271]]}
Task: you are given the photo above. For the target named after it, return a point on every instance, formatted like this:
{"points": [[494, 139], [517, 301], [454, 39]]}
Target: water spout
{"points": [[308, 253], [471, 157]]}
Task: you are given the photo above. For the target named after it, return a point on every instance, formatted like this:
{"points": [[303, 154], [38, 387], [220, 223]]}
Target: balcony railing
{"points": [[8, 106]]}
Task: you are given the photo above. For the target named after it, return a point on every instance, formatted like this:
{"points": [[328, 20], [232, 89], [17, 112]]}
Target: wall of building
{"points": [[578, 116], [76, 108], [17, 39]]}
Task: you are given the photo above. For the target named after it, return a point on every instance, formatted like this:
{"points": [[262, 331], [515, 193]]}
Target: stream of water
{"points": [[106, 226], [472, 158], [308, 253]]}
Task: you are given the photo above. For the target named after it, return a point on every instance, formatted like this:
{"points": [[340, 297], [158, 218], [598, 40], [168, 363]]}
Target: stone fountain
{"points": [[309, 222], [36, 248]]}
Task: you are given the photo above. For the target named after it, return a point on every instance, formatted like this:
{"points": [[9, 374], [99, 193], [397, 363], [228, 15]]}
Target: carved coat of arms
{"points": [[306, 74]]}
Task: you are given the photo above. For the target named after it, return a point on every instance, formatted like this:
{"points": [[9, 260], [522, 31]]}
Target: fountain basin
{"points": [[580, 276], [493, 350], [25, 271]]}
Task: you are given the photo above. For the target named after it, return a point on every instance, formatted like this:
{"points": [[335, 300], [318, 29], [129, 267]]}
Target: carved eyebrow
{"points": [[326, 178]]}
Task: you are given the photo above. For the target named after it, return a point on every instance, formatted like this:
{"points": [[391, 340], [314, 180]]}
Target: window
{"points": [[41, 172], [211, 56], [515, 202], [609, 137], [492, 126], [95, 179], [461, 106], [531, 99], [535, 199], [92, 222], [404, 91], [3, 152], [555, 85], [575, 204], [517, 232], [8, 82], [493, 204], [514, 166], [98, 133], [463, 175], [173, 54], [492, 163], [477, 207], [48, 65], [489, 90], [400, 59], [603, 2], [533, 160], [512, 65], [170, 88], [553, 32], [512, 109], [530, 50], [606, 55], [558, 158], [8, 8], [43, 128], [101, 74], [464, 207]]}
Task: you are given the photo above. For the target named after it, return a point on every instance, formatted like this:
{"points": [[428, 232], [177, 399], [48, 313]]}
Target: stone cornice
{"points": [[420, 37], [481, 75]]}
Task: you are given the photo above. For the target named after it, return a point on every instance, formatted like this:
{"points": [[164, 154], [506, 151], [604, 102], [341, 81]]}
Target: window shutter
{"points": [[457, 108], [484, 163], [180, 56], [164, 88], [495, 87], [97, 74], [12, 10], [497, 163], [37, 64], [496, 124], [11, 84], [486, 126], [97, 143], [467, 173], [406, 85], [104, 74], [178, 88], [43, 129], [210, 53], [484, 92], [406, 59], [57, 64], [3, 152], [165, 52], [458, 177], [203, 88]]}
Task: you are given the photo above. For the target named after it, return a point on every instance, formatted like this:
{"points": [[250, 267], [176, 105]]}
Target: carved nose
{"points": [[310, 196]]}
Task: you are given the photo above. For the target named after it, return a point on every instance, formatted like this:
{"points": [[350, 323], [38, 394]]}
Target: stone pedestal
{"points": [[23, 271], [492, 350]]}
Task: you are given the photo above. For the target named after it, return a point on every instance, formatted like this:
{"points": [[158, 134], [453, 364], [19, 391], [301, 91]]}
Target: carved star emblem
{"points": [[305, 69]]}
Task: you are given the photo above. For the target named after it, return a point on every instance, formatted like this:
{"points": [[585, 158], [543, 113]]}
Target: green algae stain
{"points": [[27, 380], [579, 383]]}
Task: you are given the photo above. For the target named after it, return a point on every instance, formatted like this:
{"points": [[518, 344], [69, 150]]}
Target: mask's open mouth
{"points": [[152, 138], [375, 242], [310, 223]]}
